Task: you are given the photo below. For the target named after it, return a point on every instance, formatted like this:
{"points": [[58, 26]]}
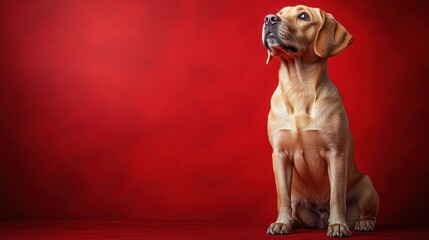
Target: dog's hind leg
{"points": [[363, 212]]}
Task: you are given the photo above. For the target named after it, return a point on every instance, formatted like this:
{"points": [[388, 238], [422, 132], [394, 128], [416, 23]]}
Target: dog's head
{"points": [[302, 31]]}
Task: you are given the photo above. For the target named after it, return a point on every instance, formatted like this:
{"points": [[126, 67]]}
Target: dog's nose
{"points": [[271, 19]]}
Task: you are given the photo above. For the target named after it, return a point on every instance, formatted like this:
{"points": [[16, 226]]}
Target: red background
{"points": [[157, 109]]}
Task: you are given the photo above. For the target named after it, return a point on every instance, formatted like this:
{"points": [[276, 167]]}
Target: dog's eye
{"points": [[303, 16]]}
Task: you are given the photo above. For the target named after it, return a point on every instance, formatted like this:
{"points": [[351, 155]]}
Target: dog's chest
{"points": [[302, 147], [296, 112]]}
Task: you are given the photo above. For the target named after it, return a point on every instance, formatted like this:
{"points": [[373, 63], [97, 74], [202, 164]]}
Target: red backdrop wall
{"points": [[157, 109]]}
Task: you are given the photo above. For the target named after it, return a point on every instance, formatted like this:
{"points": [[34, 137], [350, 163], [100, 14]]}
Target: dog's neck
{"points": [[302, 83], [296, 71]]}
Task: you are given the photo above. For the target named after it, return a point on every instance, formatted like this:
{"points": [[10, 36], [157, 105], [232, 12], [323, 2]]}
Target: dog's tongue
{"points": [[269, 56]]}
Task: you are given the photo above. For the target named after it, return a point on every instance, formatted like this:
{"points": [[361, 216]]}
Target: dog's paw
{"points": [[365, 225], [278, 228], [338, 230]]}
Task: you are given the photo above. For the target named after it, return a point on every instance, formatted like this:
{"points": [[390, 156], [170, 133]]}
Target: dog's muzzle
{"points": [[270, 37], [271, 24]]}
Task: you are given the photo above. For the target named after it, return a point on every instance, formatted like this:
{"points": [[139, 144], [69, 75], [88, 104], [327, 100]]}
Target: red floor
{"points": [[156, 230]]}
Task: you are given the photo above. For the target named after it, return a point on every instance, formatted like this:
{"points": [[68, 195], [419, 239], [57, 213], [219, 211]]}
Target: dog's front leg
{"points": [[337, 170], [282, 167]]}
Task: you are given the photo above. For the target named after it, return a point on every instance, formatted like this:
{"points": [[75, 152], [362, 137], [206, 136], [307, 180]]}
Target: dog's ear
{"points": [[332, 38]]}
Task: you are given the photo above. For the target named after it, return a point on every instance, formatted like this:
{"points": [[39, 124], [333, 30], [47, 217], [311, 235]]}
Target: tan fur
{"points": [[317, 181]]}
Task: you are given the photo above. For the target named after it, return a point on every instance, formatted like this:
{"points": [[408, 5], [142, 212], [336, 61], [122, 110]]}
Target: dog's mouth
{"points": [[271, 41], [273, 44]]}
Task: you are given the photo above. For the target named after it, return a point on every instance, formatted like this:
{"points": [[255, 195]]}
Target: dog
{"points": [[318, 184]]}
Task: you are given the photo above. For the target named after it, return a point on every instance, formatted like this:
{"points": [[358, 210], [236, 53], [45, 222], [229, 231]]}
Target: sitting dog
{"points": [[318, 184]]}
